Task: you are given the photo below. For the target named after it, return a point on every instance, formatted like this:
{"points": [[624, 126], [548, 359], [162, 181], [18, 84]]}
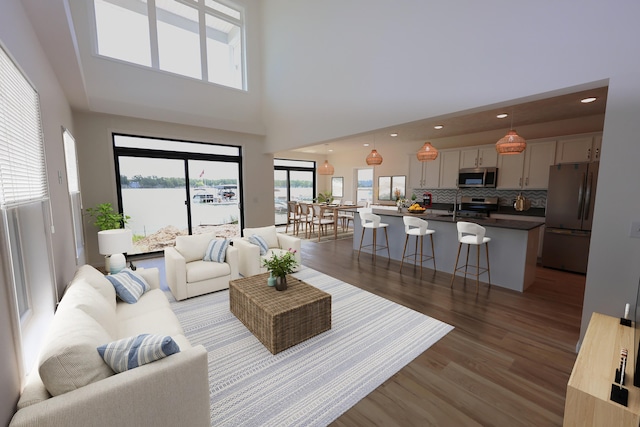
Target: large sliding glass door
{"points": [[293, 180], [153, 195], [215, 195], [171, 188]]}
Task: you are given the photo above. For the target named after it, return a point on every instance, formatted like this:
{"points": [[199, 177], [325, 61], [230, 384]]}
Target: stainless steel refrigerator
{"points": [[569, 215]]}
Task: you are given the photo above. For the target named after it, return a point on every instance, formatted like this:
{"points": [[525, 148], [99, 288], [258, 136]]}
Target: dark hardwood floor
{"points": [[506, 363]]}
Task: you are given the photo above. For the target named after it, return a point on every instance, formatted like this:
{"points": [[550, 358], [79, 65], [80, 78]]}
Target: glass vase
{"points": [[281, 283]]}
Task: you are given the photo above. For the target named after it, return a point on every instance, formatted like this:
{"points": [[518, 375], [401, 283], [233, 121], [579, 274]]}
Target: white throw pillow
{"points": [[269, 234]]}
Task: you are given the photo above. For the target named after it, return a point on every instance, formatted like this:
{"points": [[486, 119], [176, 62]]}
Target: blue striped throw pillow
{"points": [[216, 250], [129, 353], [129, 286], [261, 242]]}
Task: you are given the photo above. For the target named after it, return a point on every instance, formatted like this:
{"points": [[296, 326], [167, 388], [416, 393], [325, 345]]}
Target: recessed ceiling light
{"points": [[502, 115], [588, 100], [438, 127], [366, 145], [331, 150], [394, 135]]}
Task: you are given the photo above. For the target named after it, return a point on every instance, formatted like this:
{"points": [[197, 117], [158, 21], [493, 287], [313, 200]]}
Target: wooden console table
{"points": [[589, 386]]}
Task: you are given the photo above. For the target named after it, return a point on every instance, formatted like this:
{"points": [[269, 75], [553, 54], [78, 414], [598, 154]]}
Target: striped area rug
{"points": [[314, 382]]}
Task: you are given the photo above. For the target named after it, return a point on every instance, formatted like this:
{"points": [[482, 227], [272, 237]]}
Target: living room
{"points": [[329, 81]]}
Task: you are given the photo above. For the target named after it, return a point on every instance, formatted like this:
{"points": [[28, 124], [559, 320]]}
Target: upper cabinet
{"points": [[577, 150], [449, 168], [528, 170], [424, 174], [479, 157]]}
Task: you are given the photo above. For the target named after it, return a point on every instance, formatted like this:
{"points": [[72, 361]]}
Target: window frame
{"points": [[203, 11]]}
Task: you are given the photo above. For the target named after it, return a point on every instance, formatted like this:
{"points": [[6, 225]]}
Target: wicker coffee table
{"points": [[280, 319]]}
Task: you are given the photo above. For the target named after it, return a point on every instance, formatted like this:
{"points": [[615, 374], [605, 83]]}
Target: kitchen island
{"points": [[512, 250]]}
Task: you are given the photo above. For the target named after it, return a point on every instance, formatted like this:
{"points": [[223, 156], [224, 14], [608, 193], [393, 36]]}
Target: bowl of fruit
{"points": [[416, 209]]}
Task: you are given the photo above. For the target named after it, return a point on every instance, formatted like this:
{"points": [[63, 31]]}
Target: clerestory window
{"points": [[202, 39]]}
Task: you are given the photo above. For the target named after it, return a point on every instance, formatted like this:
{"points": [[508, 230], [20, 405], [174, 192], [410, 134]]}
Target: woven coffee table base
{"points": [[280, 319]]}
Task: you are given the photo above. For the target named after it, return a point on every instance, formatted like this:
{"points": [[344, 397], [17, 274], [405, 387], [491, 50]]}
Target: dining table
{"points": [[336, 209]]}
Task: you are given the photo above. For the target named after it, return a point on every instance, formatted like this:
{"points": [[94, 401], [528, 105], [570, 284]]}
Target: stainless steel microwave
{"points": [[478, 177]]}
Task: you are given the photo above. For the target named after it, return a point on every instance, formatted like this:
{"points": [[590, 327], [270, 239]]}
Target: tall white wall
{"points": [[18, 37], [336, 68]]}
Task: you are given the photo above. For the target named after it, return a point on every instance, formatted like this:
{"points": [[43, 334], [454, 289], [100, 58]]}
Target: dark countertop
{"points": [[504, 210], [488, 222]]}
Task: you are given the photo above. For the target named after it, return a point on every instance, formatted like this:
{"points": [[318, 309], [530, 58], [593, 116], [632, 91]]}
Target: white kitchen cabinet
{"points": [[483, 157], [424, 174], [577, 150], [528, 170], [510, 170], [449, 168], [538, 157], [416, 172]]}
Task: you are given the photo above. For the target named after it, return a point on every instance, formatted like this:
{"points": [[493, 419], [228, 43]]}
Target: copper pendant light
{"points": [[326, 168], [374, 158], [511, 143], [427, 153]]}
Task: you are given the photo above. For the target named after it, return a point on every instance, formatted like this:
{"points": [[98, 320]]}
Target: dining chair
{"points": [[293, 217], [306, 216], [321, 220]]}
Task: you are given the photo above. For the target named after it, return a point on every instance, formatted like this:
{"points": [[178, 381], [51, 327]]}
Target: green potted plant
{"points": [[106, 218], [324, 197], [279, 266]]}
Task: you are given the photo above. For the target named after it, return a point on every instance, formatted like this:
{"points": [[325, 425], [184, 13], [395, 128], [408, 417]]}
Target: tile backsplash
{"points": [[505, 197]]}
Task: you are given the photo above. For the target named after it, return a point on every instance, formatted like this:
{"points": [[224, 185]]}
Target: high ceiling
{"points": [[560, 113], [542, 118]]}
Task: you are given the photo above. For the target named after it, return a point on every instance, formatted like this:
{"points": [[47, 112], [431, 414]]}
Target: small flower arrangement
{"points": [[403, 203], [281, 265]]}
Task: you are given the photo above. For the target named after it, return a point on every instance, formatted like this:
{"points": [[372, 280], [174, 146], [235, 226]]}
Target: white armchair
{"points": [[189, 276], [249, 256]]}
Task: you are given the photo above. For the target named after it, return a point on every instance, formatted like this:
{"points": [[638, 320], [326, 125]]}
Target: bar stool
{"points": [[419, 228], [372, 221], [469, 234]]}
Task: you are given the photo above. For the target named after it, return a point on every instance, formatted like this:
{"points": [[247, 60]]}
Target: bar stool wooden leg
{"points": [[453, 276], [406, 240], [375, 239], [486, 247], [421, 253], [361, 239], [386, 237], [467, 264], [478, 268], [433, 253]]}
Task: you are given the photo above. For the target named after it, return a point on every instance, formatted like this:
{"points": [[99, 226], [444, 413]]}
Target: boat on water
{"points": [[218, 194]]}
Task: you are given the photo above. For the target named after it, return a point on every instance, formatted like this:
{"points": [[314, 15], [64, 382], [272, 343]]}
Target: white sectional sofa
{"points": [[73, 386]]}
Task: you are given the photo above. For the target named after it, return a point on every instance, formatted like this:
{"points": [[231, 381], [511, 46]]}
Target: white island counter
{"points": [[512, 250]]}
